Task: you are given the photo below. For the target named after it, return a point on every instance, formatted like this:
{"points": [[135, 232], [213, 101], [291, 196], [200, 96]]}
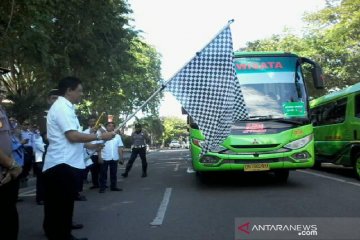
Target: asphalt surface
{"points": [[173, 203]]}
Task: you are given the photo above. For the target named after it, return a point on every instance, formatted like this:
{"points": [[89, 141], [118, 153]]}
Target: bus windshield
{"points": [[273, 87]]}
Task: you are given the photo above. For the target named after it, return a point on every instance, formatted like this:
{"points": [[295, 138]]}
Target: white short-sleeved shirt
{"points": [[110, 150], [88, 152], [60, 119]]}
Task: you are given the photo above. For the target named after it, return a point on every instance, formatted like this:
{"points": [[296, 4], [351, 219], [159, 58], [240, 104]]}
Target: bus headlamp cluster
{"points": [[299, 143]]}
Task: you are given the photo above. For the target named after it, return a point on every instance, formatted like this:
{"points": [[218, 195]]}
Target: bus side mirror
{"points": [[318, 76], [316, 72]]}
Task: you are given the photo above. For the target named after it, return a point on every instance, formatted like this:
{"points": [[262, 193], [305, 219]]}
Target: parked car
{"points": [[174, 144]]}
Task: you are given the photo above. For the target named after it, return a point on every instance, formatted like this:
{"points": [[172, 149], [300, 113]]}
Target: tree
{"points": [[174, 128], [44, 40], [331, 38]]}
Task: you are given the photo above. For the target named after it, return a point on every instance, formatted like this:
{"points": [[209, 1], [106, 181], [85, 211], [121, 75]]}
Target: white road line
{"points": [[162, 209], [190, 170], [176, 167], [27, 195], [328, 177], [28, 192]]}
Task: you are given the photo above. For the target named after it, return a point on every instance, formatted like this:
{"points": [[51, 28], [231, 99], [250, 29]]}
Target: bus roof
{"points": [[334, 95], [264, 54]]}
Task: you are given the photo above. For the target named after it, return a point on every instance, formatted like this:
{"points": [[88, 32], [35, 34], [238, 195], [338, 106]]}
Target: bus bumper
{"points": [[260, 161]]}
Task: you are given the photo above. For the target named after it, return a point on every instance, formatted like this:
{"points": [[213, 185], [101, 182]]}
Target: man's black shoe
{"points": [[101, 190], [94, 187], [124, 174], [80, 198], [144, 175], [116, 189], [77, 226], [75, 238]]}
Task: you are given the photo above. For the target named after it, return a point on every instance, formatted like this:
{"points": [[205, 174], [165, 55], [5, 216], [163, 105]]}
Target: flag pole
{"points": [[163, 86]]}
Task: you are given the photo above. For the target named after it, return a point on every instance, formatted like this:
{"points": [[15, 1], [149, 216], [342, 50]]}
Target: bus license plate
{"points": [[256, 167]]}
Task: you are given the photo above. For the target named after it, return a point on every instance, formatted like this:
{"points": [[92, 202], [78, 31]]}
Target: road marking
{"points": [[28, 192], [190, 170], [158, 220], [328, 177], [176, 167]]}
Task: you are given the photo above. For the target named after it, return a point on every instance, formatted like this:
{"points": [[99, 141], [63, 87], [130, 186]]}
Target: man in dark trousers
{"points": [[64, 159], [139, 139], [9, 172]]}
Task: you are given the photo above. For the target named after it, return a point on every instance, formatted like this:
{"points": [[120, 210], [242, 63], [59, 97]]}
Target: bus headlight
{"points": [[299, 143]]}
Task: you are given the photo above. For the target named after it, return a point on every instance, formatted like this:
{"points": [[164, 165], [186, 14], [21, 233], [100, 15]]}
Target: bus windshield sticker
{"points": [[294, 109], [254, 128]]}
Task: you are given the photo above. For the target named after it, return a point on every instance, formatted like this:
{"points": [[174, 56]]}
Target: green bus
{"points": [[336, 120], [278, 136]]}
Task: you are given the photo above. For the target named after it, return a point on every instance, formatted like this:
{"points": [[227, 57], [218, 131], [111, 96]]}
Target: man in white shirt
{"points": [[109, 157], [64, 159], [95, 166]]}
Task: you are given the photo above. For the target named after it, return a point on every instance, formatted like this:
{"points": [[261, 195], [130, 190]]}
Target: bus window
{"points": [[357, 106], [331, 113]]}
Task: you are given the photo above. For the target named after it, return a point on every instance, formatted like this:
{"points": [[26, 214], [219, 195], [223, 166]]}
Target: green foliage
{"points": [[331, 38], [174, 128], [44, 40]]}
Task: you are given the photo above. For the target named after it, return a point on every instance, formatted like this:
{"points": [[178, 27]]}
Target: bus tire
{"points": [[281, 175], [317, 165], [356, 165]]}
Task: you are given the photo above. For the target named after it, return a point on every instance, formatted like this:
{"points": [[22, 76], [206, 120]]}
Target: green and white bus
{"points": [[278, 136], [336, 120]]}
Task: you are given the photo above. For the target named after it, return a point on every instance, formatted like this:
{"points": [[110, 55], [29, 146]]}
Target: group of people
{"points": [[66, 153]]}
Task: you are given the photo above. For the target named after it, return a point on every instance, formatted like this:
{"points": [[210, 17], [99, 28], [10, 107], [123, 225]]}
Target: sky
{"points": [[180, 28]]}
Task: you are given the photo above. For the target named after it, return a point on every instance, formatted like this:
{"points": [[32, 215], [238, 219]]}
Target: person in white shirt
{"points": [[109, 157], [64, 159], [93, 155]]}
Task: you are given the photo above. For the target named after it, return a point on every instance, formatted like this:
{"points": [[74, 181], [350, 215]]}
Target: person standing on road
{"points": [[109, 157], [9, 172], [95, 167], [64, 159], [41, 145], [139, 139]]}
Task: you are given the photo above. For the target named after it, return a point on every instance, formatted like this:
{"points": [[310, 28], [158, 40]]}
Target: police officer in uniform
{"points": [[139, 139], [9, 172]]}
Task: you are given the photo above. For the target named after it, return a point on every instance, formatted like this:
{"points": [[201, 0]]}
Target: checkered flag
{"points": [[208, 89]]}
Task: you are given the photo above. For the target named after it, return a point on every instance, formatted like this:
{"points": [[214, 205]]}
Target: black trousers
{"points": [[39, 181], [134, 153], [95, 170], [60, 184], [29, 159], [9, 219], [113, 173]]}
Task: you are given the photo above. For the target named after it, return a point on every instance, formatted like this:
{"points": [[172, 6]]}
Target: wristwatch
{"points": [[13, 165], [98, 136]]}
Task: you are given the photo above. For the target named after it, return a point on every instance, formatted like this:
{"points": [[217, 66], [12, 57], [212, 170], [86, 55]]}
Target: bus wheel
{"points": [[317, 165], [281, 175], [357, 166]]}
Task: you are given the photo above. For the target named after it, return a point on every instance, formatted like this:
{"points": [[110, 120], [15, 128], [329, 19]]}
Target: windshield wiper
{"points": [[291, 121], [265, 117], [270, 118]]}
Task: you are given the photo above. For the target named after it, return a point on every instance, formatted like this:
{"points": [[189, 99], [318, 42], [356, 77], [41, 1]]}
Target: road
{"points": [[172, 203]]}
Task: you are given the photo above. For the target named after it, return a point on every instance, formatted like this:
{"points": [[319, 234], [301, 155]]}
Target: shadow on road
{"points": [[242, 180], [338, 170]]}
